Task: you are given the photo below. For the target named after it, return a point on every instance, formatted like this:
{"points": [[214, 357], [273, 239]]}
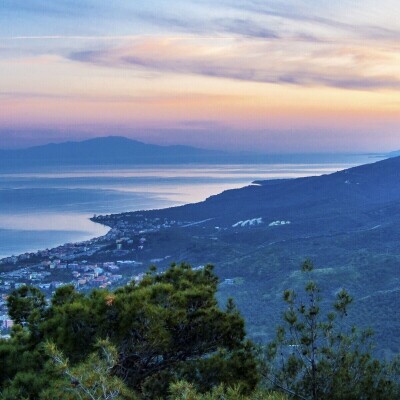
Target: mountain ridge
{"points": [[119, 150], [104, 150], [345, 222]]}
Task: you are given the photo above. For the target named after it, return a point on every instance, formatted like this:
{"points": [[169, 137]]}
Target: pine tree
{"points": [[316, 356], [89, 380], [166, 328]]}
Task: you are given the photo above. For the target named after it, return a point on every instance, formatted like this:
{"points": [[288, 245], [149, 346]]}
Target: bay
{"points": [[50, 207]]}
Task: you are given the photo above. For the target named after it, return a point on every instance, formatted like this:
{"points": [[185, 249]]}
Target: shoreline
{"points": [[76, 237], [87, 236]]}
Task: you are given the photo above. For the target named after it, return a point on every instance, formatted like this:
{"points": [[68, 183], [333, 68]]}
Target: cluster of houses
{"points": [[258, 221], [73, 263], [51, 274], [125, 224], [6, 322], [65, 252], [279, 223], [248, 222]]}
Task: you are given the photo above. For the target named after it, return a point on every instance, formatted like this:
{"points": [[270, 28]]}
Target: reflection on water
{"points": [[39, 210]]}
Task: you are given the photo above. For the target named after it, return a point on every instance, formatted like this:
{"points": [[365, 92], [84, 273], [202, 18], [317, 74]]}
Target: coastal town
{"points": [[103, 262], [121, 256], [68, 264]]}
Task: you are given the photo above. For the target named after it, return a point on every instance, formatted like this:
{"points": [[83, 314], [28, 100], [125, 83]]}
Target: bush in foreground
{"points": [[166, 328]]}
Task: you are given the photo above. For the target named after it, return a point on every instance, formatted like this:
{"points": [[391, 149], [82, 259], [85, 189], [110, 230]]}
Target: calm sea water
{"points": [[48, 208]]}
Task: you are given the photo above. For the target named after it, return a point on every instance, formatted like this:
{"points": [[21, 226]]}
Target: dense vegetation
{"points": [[346, 222], [320, 356], [168, 327], [167, 337]]}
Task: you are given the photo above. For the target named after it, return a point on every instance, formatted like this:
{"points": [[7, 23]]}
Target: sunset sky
{"points": [[261, 75]]}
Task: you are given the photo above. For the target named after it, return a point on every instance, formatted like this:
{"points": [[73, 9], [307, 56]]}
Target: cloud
{"points": [[246, 27], [283, 61], [189, 23], [249, 18], [314, 15], [153, 100]]}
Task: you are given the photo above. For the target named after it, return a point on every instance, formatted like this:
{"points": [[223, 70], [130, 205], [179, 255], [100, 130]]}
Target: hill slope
{"points": [[347, 223]]}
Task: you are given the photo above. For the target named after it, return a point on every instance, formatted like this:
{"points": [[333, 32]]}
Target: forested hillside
{"points": [[166, 337], [346, 222]]}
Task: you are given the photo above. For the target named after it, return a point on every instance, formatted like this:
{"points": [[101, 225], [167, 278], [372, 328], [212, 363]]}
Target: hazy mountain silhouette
{"points": [[105, 150], [116, 150]]}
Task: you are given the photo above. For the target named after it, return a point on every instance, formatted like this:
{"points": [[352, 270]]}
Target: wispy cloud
{"points": [[221, 26], [153, 99], [247, 28], [271, 61], [315, 15]]}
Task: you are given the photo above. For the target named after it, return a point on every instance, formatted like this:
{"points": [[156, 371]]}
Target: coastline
{"points": [[237, 229], [165, 189], [50, 238]]}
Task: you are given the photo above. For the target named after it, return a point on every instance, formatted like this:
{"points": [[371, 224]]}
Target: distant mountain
{"points": [[346, 222], [115, 150], [105, 150], [394, 154]]}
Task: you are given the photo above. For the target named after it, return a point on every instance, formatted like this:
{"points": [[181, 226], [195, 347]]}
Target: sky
{"points": [[256, 75]]}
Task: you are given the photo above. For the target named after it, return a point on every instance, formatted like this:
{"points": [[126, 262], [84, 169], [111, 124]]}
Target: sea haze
{"points": [[48, 208]]}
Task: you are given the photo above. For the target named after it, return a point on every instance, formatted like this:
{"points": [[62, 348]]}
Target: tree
{"points": [[21, 366], [316, 356], [171, 327], [89, 380], [26, 306], [166, 328], [22, 359], [185, 391]]}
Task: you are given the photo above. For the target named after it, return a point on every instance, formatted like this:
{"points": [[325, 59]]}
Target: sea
{"points": [[50, 207]]}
